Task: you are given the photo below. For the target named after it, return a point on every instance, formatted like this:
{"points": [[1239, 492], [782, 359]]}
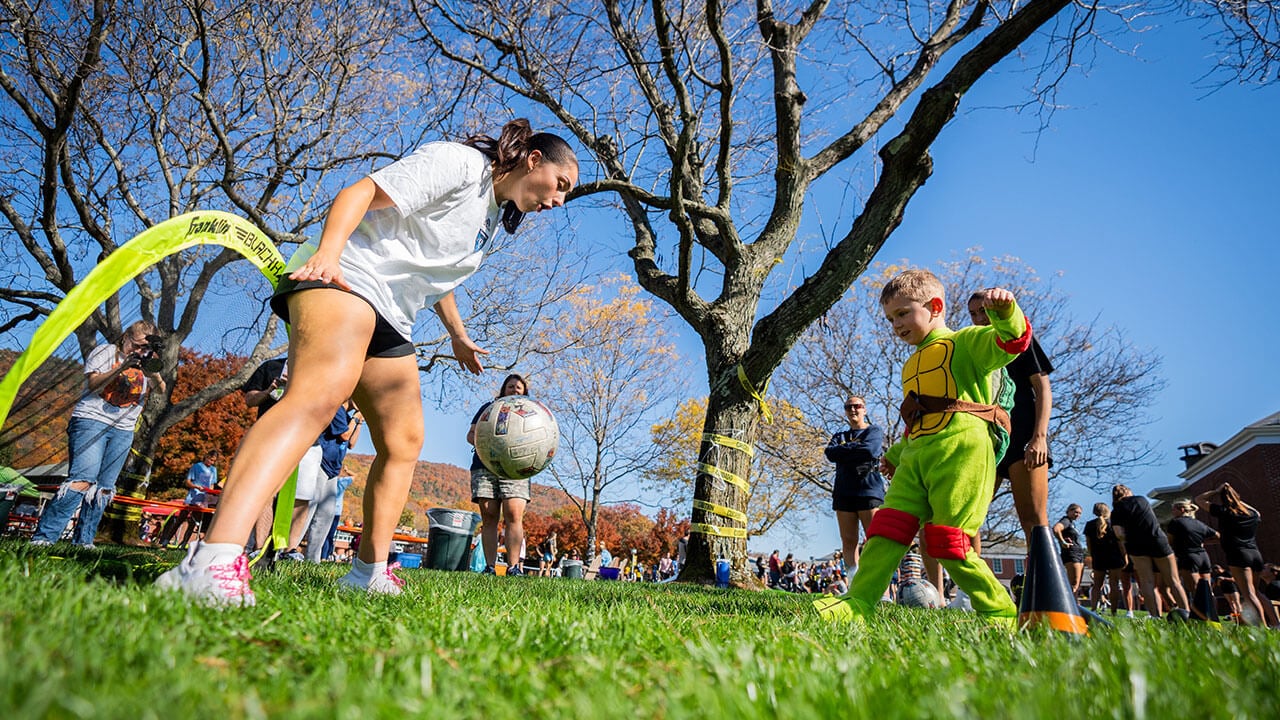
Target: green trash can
{"points": [[464, 562], [573, 569], [449, 538]]}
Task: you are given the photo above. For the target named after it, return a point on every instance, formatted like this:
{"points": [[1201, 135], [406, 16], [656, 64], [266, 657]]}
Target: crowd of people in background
{"points": [[817, 576], [1137, 563]]}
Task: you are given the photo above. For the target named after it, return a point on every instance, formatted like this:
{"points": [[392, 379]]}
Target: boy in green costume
{"points": [[942, 470]]}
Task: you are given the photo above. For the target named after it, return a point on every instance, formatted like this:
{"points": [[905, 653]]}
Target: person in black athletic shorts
{"points": [[1188, 536], [1141, 537], [1026, 463], [858, 488], [1108, 560], [1238, 523], [1072, 549]]}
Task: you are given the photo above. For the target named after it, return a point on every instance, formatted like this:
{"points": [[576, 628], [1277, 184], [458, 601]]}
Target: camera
{"points": [[149, 355]]}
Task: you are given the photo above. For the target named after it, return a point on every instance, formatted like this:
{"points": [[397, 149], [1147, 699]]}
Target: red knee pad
{"points": [[896, 525], [946, 543]]}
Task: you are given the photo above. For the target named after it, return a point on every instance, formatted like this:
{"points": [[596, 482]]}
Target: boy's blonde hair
{"points": [[918, 285]]}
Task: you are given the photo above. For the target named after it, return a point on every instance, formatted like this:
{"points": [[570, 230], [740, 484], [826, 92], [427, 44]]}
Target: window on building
{"points": [[1017, 566], [997, 566]]}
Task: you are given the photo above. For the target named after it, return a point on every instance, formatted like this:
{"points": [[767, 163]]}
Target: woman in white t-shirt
{"points": [[395, 242], [100, 434]]}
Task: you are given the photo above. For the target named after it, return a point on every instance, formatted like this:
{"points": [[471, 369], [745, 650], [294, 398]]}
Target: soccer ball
{"points": [[516, 437], [920, 594]]}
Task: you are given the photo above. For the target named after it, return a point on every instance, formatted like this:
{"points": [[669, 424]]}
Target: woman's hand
{"points": [[323, 268], [1037, 451], [886, 468], [468, 354]]}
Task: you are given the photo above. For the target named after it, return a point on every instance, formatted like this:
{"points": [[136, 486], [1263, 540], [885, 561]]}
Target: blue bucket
{"points": [[410, 560], [722, 573]]}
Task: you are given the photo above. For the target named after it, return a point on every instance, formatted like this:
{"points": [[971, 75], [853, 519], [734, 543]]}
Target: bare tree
{"points": [[1247, 36], [710, 124], [1103, 385], [610, 366], [119, 115]]}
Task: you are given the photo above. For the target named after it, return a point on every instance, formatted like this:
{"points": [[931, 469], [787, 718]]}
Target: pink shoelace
{"points": [[234, 577], [391, 574]]}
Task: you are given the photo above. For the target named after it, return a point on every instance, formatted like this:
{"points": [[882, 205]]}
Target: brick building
{"points": [[1250, 461]]}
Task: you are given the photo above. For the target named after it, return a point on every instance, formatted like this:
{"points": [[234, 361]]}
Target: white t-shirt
{"points": [[119, 402], [406, 258]]}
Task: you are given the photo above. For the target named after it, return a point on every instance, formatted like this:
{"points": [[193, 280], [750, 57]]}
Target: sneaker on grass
{"points": [[216, 585], [365, 576]]}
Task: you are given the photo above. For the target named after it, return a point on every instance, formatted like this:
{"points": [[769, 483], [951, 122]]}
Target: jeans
{"points": [[97, 453], [324, 508]]}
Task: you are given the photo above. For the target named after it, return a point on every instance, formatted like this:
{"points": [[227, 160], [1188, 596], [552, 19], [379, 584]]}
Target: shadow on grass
{"points": [[117, 564]]}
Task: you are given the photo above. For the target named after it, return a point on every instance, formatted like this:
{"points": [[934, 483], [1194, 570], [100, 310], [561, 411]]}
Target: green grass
{"points": [[82, 634]]}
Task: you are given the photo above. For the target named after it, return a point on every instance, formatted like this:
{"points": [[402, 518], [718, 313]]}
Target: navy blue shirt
{"points": [[333, 447], [856, 454]]}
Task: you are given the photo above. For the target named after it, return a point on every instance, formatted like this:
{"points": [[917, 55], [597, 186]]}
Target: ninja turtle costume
{"points": [[944, 467]]}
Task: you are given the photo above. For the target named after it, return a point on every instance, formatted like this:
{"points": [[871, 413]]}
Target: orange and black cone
{"points": [[1047, 600], [1203, 606]]}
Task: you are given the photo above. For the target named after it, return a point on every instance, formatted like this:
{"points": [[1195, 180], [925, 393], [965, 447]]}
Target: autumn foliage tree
{"points": [[36, 431], [789, 475], [217, 427], [610, 366]]}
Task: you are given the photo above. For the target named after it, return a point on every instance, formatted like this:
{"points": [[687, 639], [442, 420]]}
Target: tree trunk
{"points": [[722, 488]]}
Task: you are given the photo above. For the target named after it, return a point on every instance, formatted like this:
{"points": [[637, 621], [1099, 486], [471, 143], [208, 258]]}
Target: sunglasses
{"points": [[852, 406]]}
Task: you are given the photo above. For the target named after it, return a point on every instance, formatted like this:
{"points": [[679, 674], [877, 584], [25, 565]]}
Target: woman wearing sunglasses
{"points": [[858, 489]]}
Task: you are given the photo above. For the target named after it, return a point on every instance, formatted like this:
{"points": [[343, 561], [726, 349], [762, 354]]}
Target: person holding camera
{"points": [[100, 433]]}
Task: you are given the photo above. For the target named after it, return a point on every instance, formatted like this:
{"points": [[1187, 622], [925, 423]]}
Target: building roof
{"points": [[55, 470], [1263, 432]]}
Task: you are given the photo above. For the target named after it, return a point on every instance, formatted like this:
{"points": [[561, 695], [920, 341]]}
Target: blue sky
{"points": [[1148, 192], [1151, 195]]}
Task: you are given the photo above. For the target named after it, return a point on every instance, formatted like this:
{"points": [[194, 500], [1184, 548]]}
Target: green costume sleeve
{"points": [[987, 354], [894, 452]]}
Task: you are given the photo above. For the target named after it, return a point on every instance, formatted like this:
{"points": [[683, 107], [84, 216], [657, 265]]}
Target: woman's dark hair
{"points": [[514, 376], [512, 148], [1120, 492]]}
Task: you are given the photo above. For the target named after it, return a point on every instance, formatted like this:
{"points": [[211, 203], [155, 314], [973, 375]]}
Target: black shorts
{"points": [[846, 503], [1107, 562], [386, 341], [1243, 558], [1156, 547], [1017, 452], [1196, 561], [1072, 556]]}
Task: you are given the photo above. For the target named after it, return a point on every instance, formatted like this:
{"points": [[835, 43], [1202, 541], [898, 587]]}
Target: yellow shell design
{"points": [[928, 372]]}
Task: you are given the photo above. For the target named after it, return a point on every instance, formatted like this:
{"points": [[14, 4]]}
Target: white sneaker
{"points": [[40, 543], [224, 585], [384, 583]]}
